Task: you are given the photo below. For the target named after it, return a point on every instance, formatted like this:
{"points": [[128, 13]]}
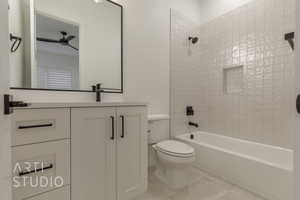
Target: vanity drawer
{"points": [[59, 194], [39, 168], [40, 125]]}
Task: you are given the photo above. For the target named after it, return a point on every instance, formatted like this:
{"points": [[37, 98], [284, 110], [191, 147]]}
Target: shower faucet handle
{"points": [[194, 124], [189, 111]]}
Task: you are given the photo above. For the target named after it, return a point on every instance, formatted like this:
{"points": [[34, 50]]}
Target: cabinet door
{"points": [[131, 152], [93, 154]]}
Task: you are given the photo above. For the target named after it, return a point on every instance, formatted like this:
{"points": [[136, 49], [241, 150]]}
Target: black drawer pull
{"points": [[35, 170], [35, 126], [123, 126]]}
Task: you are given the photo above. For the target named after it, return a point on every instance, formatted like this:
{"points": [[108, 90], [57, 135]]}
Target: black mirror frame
{"points": [[105, 90]]}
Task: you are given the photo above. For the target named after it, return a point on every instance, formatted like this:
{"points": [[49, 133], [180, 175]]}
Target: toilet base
{"points": [[174, 179]]}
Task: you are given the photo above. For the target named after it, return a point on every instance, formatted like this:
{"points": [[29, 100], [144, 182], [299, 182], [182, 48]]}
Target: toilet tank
{"points": [[158, 128]]}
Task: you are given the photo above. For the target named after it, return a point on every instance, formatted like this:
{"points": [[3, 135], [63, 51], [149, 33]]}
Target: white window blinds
{"points": [[53, 78]]}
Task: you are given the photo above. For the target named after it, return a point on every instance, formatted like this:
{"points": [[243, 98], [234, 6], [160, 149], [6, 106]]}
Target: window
{"points": [[52, 78]]}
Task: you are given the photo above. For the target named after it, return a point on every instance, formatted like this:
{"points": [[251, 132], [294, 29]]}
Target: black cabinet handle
{"points": [[35, 126], [123, 126], [112, 128], [298, 104], [35, 170]]}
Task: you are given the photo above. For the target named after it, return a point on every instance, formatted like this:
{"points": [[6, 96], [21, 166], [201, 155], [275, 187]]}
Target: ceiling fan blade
{"points": [[47, 40], [73, 47], [70, 37]]}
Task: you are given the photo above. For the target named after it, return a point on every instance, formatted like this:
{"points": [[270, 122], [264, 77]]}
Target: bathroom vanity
{"points": [[98, 150], [78, 151]]}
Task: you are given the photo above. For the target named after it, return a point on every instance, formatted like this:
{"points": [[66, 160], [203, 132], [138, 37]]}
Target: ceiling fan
{"points": [[65, 40]]}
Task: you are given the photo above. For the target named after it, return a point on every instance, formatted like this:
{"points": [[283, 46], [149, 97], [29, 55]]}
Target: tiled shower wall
{"points": [[239, 76]]}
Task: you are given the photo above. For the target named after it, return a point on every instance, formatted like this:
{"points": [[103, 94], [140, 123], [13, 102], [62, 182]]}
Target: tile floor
{"points": [[203, 187]]}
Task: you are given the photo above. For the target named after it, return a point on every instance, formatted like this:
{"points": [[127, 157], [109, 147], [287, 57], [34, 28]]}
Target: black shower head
{"points": [[194, 39]]}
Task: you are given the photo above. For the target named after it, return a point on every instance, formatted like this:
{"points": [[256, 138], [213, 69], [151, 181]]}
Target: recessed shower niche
{"points": [[233, 79]]}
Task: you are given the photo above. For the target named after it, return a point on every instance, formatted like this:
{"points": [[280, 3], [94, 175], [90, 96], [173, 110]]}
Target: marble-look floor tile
{"points": [[202, 187], [239, 194]]}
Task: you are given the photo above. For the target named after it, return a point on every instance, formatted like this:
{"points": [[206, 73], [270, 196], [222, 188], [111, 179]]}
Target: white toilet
{"points": [[173, 158]]}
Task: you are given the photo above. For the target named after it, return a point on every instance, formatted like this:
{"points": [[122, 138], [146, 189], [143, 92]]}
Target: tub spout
{"points": [[193, 124]]}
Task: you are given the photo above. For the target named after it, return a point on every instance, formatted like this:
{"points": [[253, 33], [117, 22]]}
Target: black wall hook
{"points": [[16, 43], [290, 38]]}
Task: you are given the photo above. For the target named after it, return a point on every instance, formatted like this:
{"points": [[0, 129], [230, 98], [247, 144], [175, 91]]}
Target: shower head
{"points": [[194, 39]]}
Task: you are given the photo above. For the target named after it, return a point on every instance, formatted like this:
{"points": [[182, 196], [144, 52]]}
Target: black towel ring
{"points": [[16, 43]]}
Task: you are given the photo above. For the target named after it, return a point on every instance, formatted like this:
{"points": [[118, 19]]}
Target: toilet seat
{"points": [[175, 148]]}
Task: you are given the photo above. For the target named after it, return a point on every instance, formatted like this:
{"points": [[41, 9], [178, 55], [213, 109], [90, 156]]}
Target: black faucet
{"points": [[193, 124], [98, 90]]}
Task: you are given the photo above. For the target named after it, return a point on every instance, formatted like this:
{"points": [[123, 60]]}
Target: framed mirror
{"points": [[66, 45]]}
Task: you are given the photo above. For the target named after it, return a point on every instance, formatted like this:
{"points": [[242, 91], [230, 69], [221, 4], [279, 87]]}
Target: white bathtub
{"points": [[263, 169]]}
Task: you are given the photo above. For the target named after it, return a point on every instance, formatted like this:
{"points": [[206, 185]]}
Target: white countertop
{"points": [[82, 104], [158, 117]]}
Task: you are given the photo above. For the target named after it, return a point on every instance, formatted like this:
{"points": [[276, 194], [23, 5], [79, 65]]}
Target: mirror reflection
{"points": [[66, 50], [57, 54]]}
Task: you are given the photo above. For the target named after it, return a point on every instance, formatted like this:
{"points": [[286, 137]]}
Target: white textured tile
{"points": [[256, 108]]}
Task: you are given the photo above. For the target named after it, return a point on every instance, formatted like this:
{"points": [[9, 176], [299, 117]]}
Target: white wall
{"points": [[210, 9], [5, 154], [16, 28], [146, 55]]}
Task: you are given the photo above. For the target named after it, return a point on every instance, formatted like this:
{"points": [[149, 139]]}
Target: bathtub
{"points": [[263, 169]]}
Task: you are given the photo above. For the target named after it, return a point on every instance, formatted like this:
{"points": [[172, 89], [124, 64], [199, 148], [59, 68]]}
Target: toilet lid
{"points": [[175, 147]]}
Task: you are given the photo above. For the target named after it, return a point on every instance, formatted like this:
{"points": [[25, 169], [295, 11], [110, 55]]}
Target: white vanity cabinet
{"points": [[99, 150], [40, 153], [93, 153], [109, 153], [131, 153]]}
